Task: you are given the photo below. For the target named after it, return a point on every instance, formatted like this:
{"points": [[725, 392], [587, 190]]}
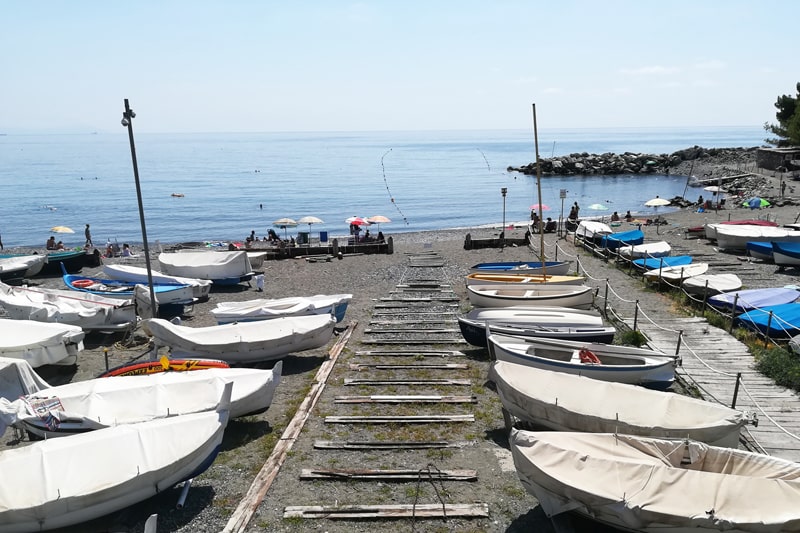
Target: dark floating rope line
{"points": [[386, 182]]}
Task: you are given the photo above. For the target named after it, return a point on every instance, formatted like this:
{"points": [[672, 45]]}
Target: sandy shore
{"points": [[248, 442]]}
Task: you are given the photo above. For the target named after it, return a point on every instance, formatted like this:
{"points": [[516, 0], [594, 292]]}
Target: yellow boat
{"points": [[487, 279]]}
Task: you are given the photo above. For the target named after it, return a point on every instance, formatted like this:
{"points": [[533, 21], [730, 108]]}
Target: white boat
{"points": [[40, 343], [558, 322], [656, 485], [12, 270], [676, 273], [607, 362], [523, 267], [736, 237], [256, 259], [244, 342], [105, 402], [223, 268], [64, 482], [133, 274], [712, 284], [509, 279], [710, 229], [591, 229], [264, 309], [574, 296], [88, 311], [650, 249], [33, 262], [568, 402], [17, 378]]}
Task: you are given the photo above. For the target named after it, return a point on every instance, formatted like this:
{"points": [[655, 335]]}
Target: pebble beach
{"points": [[248, 442]]}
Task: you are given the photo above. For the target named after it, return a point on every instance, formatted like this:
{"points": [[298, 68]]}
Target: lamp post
{"points": [[503, 191], [127, 122]]}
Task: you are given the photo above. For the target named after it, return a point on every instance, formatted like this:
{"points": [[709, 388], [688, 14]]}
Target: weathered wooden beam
{"points": [[400, 419], [412, 330], [385, 445], [409, 366], [353, 382], [388, 475], [255, 494], [420, 398], [412, 353], [413, 341], [420, 510]]}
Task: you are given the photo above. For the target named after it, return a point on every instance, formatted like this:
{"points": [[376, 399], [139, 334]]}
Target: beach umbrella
{"points": [[656, 202], [536, 207], [62, 229], [755, 203], [714, 188], [358, 221], [378, 220], [598, 207], [310, 220], [284, 223]]}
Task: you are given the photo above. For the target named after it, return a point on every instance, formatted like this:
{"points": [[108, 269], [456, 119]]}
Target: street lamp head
{"points": [[503, 191], [125, 122]]}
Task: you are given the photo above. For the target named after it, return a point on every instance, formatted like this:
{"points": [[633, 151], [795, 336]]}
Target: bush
{"points": [[780, 365]]}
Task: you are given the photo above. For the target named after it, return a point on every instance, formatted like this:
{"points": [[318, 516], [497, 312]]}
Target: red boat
{"points": [[164, 365]]}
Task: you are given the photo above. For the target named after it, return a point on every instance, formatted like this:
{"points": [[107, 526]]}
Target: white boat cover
{"points": [[40, 343], [34, 263], [17, 378], [62, 482], [263, 308], [644, 484], [134, 274], [568, 402], [86, 310], [105, 402], [589, 229], [244, 341], [10, 265], [498, 295], [553, 316], [206, 264], [256, 259], [650, 249], [735, 237], [712, 283], [511, 280], [677, 273]]}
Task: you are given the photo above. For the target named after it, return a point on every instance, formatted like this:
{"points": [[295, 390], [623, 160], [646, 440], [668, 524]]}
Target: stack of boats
{"points": [[136, 435]]}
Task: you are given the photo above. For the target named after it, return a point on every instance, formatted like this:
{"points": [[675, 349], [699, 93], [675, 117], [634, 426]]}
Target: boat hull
{"points": [[559, 268], [712, 284], [786, 254], [265, 309], [573, 296], [132, 274], [40, 343]]}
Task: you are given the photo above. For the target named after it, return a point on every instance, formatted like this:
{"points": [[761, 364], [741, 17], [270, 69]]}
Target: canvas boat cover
{"points": [[651, 484], [568, 402], [589, 229], [17, 378], [206, 265], [61, 482], [773, 320], [712, 283], [650, 249], [88, 311], [134, 274], [263, 308], [754, 298], [676, 273], [615, 240], [244, 341], [104, 402], [39, 343]]}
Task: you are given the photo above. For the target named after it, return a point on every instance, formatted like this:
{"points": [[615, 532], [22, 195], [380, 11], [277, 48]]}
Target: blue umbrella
{"points": [[756, 203]]}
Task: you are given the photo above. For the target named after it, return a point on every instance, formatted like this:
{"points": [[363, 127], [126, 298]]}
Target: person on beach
{"points": [[126, 250], [573, 214], [628, 216], [59, 245], [88, 235], [577, 209], [550, 226], [615, 217], [1, 242], [380, 237], [51, 243]]}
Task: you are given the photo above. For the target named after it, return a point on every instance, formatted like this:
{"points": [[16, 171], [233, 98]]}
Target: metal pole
{"points": [[503, 191], [127, 121]]}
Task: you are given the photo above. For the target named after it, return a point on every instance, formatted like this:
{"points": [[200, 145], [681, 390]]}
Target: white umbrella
{"points": [[714, 188], [358, 221], [310, 220], [284, 223], [378, 220], [656, 202]]}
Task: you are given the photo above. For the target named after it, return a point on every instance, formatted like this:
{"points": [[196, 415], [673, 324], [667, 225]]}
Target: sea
{"points": [[217, 187]]}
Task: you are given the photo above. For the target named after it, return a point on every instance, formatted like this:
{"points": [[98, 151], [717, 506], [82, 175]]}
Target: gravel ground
{"points": [[248, 442]]}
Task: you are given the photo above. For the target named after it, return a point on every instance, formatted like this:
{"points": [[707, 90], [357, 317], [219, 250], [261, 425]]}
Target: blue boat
{"points": [[748, 299], [786, 254], [623, 238], [759, 250], [773, 320], [652, 263], [556, 268], [166, 293]]}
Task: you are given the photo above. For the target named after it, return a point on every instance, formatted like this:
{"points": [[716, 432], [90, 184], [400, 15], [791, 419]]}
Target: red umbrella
{"points": [[535, 207], [358, 221]]}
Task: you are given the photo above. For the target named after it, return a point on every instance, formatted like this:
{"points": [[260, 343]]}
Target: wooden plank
{"points": [[399, 419], [410, 398], [412, 330], [413, 341], [419, 510], [388, 475], [440, 321], [354, 382], [385, 445], [263, 481], [409, 366], [420, 353]]}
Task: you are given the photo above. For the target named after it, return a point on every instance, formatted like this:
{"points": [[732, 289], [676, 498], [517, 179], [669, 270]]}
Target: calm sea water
{"points": [[235, 183]]}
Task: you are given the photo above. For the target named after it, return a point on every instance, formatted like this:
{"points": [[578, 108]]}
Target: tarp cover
{"points": [[17, 378], [39, 343], [570, 402], [638, 482], [134, 274], [263, 308], [206, 265]]}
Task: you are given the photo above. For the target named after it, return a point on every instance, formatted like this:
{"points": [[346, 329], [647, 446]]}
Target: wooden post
{"points": [[605, 300], [636, 315], [678, 346], [733, 311], [766, 333], [736, 390]]}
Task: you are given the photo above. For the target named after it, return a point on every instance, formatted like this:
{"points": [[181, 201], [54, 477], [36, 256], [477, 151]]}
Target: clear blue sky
{"points": [[260, 65]]}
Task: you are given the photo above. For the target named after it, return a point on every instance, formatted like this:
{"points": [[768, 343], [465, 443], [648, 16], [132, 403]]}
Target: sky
{"points": [[327, 65]]}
